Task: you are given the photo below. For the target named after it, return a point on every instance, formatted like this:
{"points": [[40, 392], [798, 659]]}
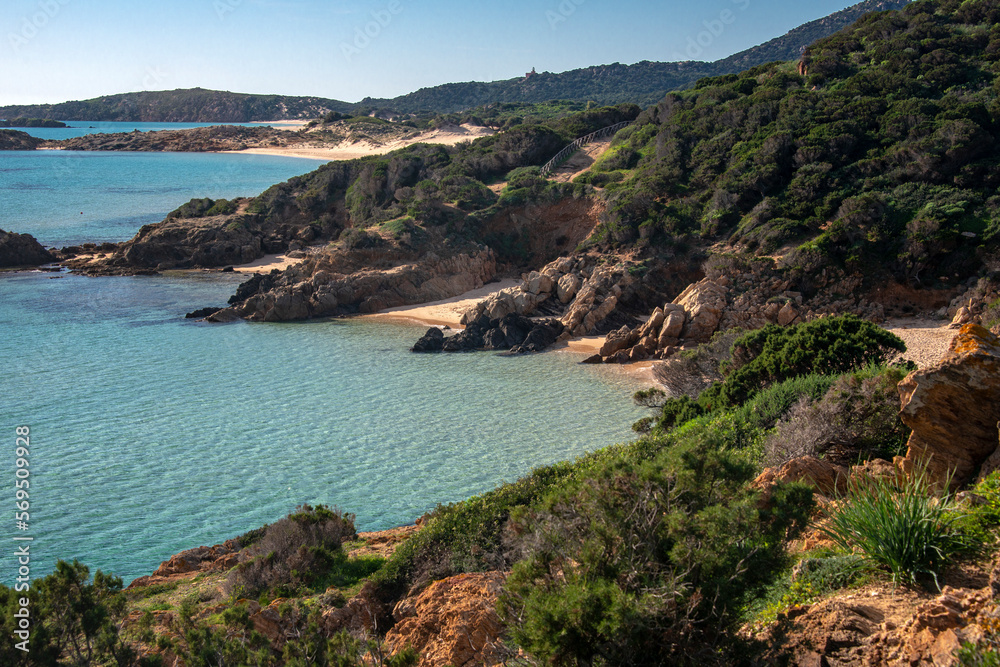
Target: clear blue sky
{"points": [[58, 50]]}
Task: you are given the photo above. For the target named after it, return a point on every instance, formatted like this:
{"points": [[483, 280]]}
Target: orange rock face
{"points": [[953, 407], [451, 622]]}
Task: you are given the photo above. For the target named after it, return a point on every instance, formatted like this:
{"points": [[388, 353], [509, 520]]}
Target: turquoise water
{"points": [[79, 128], [70, 197], [151, 434]]}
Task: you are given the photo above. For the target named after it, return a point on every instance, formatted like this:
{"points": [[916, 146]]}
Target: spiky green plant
{"points": [[906, 525]]}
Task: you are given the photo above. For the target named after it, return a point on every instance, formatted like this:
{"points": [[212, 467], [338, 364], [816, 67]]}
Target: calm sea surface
{"points": [[151, 434]]}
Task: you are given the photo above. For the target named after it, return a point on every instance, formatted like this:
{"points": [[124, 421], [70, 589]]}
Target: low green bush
{"points": [[646, 563], [856, 420], [298, 552]]}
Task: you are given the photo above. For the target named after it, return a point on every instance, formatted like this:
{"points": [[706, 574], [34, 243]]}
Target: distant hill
{"points": [[644, 83], [194, 105]]}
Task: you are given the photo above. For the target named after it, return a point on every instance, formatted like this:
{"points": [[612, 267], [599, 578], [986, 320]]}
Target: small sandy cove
{"points": [[448, 313]]}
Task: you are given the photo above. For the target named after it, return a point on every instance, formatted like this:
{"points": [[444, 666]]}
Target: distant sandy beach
{"points": [[352, 151]]}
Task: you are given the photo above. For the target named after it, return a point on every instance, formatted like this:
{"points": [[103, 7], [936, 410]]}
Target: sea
{"points": [[151, 433]]}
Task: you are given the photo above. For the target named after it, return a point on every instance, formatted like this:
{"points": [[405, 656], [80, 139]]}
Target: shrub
{"points": [[857, 419], [295, 552], [354, 239], [828, 346], [645, 563], [900, 525]]}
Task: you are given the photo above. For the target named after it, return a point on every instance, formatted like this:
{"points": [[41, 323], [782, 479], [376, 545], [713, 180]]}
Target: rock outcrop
{"points": [[936, 630], [336, 282], [21, 250], [953, 408], [512, 332], [690, 319], [187, 564], [829, 480], [432, 341], [451, 622], [16, 140], [879, 628]]}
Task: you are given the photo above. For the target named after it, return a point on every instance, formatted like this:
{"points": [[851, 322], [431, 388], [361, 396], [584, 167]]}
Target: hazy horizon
{"points": [[59, 50]]}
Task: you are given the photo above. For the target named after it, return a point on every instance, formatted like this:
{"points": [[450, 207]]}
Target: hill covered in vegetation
{"points": [[194, 105], [643, 83]]}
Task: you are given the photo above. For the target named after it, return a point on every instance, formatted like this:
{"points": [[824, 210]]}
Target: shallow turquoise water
{"points": [[71, 197], [152, 434]]}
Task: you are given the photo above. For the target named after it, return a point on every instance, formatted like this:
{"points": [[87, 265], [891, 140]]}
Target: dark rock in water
{"points": [[202, 313], [513, 332], [21, 250], [258, 283], [228, 269], [541, 336], [593, 359], [432, 341], [224, 316]]}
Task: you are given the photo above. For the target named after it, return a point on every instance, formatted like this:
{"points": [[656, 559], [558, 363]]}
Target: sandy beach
{"points": [[448, 313], [448, 136], [266, 263]]}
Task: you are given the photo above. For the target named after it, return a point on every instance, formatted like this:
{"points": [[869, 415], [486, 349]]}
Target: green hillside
{"points": [[643, 83], [195, 105]]}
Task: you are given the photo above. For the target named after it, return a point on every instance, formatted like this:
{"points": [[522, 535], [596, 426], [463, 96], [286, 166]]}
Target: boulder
{"points": [[653, 325], [962, 317], [673, 325], [787, 314], [622, 339], [538, 283], [544, 334], [704, 302], [953, 408], [451, 622], [21, 250], [567, 287], [202, 313], [432, 341]]}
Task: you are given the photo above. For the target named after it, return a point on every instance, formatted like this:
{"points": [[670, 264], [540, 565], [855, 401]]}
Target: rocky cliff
{"points": [[338, 280]]}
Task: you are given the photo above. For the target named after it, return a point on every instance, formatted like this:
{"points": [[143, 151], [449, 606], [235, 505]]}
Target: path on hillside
{"points": [[581, 161]]}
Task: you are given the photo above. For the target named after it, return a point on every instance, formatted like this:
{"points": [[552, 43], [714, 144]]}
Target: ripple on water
{"points": [[155, 438]]}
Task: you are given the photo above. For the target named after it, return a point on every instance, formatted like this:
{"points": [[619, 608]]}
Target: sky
{"points": [[58, 50]]}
